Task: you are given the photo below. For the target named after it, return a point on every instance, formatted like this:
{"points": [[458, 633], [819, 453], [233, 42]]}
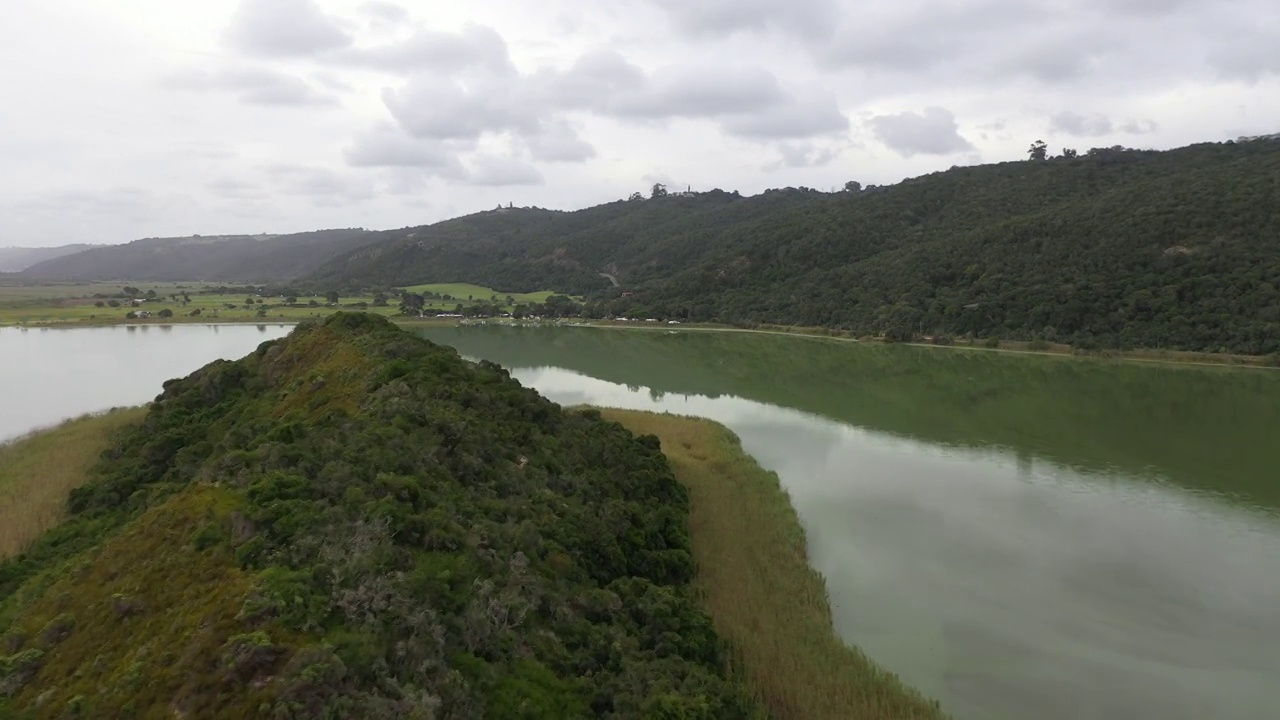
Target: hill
{"points": [[234, 259], [1175, 249], [354, 522], [15, 259]]}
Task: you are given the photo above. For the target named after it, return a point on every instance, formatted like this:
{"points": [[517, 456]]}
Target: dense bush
{"points": [[424, 538], [1114, 248]]}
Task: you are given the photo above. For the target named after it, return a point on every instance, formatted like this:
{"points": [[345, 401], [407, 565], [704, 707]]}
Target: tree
{"points": [[248, 301], [1038, 150], [635, 196], [313, 303], [151, 294], [853, 186], [659, 190], [101, 304], [165, 313], [411, 303], [332, 297], [380, 300], [131, 291], [113, 303], [1069, 153]]}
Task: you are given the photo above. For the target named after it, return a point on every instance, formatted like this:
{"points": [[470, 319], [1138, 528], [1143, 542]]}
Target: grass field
{"points": [[463, 291], [761, 592], [37, 473], [74, 303]]}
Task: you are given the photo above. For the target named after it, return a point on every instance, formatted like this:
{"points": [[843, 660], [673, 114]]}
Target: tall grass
{"points": [[38, 471], [761, 592]]}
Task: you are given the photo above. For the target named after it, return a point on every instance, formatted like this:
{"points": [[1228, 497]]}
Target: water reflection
{"points": [[1011, 587], [59, 373]]}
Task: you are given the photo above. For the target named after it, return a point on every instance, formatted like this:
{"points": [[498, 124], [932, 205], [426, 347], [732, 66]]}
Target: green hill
{"points": [[230, 258], [354, 522], [1121, 248]]}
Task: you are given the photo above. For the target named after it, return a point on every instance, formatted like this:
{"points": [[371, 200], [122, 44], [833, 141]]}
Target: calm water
{"points": [[48, 375], [1018, 537]]}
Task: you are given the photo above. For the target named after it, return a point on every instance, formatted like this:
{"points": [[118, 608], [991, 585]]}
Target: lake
{"points": [[1019, 537], [48, 375]]}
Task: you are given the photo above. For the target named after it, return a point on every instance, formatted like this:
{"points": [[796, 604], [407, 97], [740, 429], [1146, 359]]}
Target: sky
{"points": [[152, 118]]}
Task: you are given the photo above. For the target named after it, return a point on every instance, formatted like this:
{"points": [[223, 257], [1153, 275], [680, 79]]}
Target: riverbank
{"points": [[748, 543], [760, 590], [39, 470], [1178, 357]]}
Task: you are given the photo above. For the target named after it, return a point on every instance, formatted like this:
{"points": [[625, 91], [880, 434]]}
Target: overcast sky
{"points": [[138, 118]]}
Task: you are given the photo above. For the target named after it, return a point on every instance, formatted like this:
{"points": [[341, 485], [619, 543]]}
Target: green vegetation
{"points": [[1203, 428], [1113, 248], [354, 522], [761, 592], [39, 471], [100, 304], [104, 304], [464, 291]]}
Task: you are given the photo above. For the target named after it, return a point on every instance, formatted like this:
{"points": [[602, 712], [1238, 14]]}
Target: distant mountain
{"points": [[15, 259], [232, 258], [1114, 248]]}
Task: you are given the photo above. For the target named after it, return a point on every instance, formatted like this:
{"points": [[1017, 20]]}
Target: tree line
{"points": [[1112, 247]]}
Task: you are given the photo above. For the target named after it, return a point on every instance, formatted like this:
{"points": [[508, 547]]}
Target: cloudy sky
{"points": [[138, 118]]}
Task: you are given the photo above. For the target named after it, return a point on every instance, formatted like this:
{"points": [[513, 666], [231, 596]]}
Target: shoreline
{"points": [[763, 595], [765, 599], [1014, 347]]}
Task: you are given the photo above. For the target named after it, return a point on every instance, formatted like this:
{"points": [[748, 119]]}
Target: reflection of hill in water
{"points": [[1204, 428]]}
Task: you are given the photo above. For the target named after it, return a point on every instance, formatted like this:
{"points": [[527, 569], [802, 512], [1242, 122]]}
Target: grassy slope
{"points": [[138, 625], [747, 541], [148, 621], [760, 590], [463, 290], [38, 471]]}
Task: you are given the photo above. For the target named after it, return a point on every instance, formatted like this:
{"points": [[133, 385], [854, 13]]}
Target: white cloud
{"points": [[254, 86], [282, 28], [931, 132], [349, 112]]}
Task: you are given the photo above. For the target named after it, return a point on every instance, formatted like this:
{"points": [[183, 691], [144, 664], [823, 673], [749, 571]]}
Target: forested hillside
{"points": [[353, 522], [14, 259], [236, 258], [1113, 248]]}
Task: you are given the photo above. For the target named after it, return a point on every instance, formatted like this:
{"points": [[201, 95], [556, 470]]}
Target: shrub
{"points": [[18, 670]]}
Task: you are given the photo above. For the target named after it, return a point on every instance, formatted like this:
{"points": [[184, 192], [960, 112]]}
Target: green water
{"points": [[1020, 537]]}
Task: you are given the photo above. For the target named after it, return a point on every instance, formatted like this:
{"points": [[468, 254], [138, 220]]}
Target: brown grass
{"points": [[37, 473], [764, 597]]}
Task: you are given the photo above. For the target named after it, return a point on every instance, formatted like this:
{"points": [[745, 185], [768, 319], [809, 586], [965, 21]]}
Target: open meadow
{"points": [[107, 303]]}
